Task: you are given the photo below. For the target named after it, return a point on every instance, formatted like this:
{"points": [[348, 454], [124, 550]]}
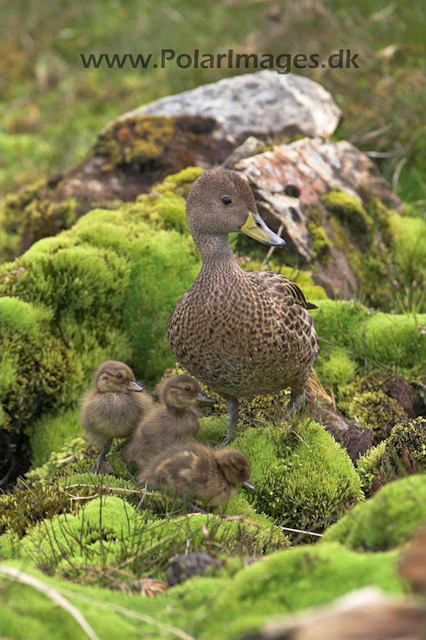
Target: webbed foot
{"points": [[297, 401], [225, 443], [102, 467]]}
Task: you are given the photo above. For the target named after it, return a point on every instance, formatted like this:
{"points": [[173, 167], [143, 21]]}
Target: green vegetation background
{"points": [[53, 108]]}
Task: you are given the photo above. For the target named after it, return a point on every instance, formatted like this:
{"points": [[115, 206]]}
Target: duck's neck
{"points": [[215, 251]]}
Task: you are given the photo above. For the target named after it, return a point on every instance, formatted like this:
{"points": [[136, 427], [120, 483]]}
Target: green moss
{"points": [[336, 322], [171, 210], [92, 293], [108, 533], [387, 339], [349, 210], [388, 519], [179, 183], [49, 434], [402, 453], [151, 139], [29, 215], [338, 369], [408, 252], [376, 410], [369, 467], [135, 140], [288, 581], [41, 373], [379, 339], [303, 478], [406, 447], [320, 241], [148, 307], [202, 607], [22, 509]]}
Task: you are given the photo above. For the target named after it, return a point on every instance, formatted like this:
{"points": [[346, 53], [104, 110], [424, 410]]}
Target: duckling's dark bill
{"points": [[254, 227], [134, 386], [203, 398]]}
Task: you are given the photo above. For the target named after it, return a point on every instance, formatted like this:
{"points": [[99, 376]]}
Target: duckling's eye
{"points": [[118, 375], [187, 388], [226, 200]]}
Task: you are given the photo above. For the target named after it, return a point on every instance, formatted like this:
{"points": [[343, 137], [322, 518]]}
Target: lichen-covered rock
{"points": [[303, 478], [291, 180], [261, 104], [388, 519]]}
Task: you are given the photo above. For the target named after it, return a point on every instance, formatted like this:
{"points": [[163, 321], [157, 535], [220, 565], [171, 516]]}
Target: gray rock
{"points": [[260, 104]]}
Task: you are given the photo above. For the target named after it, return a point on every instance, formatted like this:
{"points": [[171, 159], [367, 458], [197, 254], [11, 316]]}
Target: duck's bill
{"points": [[203, 398], [254, 227], [249, 485], [134, 386]]}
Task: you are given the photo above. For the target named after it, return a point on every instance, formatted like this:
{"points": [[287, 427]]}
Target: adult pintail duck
{"points": [[242, 333]]}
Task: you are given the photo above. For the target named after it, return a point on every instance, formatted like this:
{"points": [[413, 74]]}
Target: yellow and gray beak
{"points": [[254, 227]]}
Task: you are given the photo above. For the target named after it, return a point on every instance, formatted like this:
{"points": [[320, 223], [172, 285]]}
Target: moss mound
{"points": [[204, 608], [386, 520], [107, 535], [402, 453], [338, 369], [376, 410], [89, 294], [288, 581], [22, 509], [378, 339], [409, 259], [303, 478]]}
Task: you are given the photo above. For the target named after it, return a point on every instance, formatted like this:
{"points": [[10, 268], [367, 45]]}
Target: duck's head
{"points": [[181, 392], [115, 377], [235, 467], [221, 202]]}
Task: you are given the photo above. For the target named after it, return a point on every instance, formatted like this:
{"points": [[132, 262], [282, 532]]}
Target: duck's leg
{"points": [[232, 406], [101, 465], [297, 400]]}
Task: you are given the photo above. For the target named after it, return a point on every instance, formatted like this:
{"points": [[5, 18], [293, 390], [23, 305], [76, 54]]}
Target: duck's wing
{"points": [[280, 287]]}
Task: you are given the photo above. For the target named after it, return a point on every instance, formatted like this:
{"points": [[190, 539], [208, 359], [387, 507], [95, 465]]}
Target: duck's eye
{"points": [[226, 200], [187, 388], [118, 375]]}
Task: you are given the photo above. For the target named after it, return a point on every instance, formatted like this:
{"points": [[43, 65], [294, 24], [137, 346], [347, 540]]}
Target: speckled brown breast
{"points": [[240, 336]]}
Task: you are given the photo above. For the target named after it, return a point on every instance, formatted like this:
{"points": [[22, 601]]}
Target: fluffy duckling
{"points": [[112, 409], [242, 333], [171, 421], [194, 471]]}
